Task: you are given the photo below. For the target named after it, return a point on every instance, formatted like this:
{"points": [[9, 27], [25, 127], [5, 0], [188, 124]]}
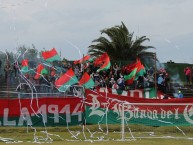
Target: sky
{"points": [[71, 25]]}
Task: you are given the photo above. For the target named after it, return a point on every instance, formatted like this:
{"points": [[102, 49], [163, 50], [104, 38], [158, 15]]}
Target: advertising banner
{"points": [[149, 93], [110, 108], [50, 111]]}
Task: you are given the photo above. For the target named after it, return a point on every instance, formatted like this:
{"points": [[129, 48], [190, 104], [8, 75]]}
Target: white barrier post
{"points": [[122, 123]]}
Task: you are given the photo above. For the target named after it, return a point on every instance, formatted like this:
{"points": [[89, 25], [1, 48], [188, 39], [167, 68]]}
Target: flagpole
{"points": [[60, 53], [155, 74], [84, 94]]}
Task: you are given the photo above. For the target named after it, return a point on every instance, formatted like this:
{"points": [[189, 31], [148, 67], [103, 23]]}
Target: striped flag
{"points": [[137, 69], [100, 59], [86, 81], [140, 69], [104, 61], [40, 71], [24, 64], [66, 80], [51, 55], [130, 77], [85, 58]]}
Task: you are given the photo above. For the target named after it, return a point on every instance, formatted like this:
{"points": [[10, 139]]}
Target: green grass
{"points": [[61, 135]]}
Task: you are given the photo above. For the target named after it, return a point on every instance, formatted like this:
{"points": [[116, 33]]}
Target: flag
{"points": [[131, 66], [130, 77], [134, 65], [104, 61], [100, 59], [51, 55], [86, 81], [140, 69], [24, 64], [85, 58], [53, 71], [106, 65], [137, 69], [40, 71], [66, 80]]}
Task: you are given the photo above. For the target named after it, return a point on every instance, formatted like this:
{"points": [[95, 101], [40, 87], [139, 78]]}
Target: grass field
{"points": [[93, 135]]}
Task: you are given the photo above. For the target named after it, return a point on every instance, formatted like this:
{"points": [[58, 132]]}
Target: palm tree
{"points": [[120, 45]]}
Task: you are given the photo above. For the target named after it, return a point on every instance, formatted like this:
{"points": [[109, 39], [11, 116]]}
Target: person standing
{"points": [[15, 68], [160, 83], [180, 95], [187, 72], [115, 86], [7, 70]]}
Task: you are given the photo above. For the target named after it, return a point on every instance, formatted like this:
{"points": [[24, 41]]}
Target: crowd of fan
{"points": [[114, 77], [111, 78]]}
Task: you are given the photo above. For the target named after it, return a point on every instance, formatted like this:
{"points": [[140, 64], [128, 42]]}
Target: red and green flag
{"points": [[25, 67], [51, 55], [84, 59], [136, 69], [104, 61], [66, 80], [100, 59], [40, 71], [130, 67], [140, 69], [130, 77], [106, 65], [86, 81], [134, 65]]}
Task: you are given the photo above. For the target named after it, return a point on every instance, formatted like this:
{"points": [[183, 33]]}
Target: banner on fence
{"points": [[40, 112], [108, 108], [100, 108], [149, 93]]}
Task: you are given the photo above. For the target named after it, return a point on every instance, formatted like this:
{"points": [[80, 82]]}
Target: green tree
{"points": [[27, 52], [120, 45]]}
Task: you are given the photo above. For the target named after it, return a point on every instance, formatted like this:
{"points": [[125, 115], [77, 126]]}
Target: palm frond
{"points": [[120, 45]]}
